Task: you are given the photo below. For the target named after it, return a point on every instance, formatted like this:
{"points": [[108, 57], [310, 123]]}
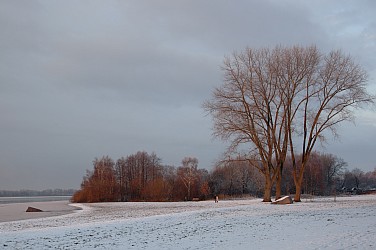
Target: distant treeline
{"points": [[142, 177], [47, 192]]}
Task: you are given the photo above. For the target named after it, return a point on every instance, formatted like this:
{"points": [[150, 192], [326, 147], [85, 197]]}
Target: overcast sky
{"points": [[83, 79]]}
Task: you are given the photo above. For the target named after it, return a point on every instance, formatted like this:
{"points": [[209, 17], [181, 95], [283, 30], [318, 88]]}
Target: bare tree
{"points": [[358, 176], [276, 101], [188, 173], [249, 109], [323, 95], [104, 178], [322, 173], [235, 178], [121, 171], [333, 168]]}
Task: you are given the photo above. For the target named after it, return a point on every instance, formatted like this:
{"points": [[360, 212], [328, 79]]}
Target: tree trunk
{"points": [[298, 187], [278, 191], [267, 190], [189, 190], [298, 181]]}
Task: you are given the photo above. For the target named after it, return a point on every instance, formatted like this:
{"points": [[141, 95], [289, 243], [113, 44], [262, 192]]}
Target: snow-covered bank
{"points": [[248, 224]]}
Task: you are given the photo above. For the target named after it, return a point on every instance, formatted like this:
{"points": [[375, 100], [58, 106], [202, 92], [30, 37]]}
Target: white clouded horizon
{"points": [[82, 79]]}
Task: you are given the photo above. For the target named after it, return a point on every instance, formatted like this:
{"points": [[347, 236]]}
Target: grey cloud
{"points": [[84, 78]]}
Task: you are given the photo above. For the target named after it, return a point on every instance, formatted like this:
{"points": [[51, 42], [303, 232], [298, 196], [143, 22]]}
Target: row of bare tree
{"points": [[142, 177], [324, 175]]}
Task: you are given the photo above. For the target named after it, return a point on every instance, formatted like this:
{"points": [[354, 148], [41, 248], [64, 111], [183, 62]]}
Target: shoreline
{"points": [[17, 211], [15, 214]]}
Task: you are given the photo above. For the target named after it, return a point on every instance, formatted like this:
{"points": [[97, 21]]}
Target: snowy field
{"points": [[348, 223]]}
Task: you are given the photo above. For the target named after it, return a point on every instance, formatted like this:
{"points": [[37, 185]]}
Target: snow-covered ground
{"points": [[348, 223]]}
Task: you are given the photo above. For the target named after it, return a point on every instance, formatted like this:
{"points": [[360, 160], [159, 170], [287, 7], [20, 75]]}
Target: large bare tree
{"points": [[276, 101], [248, 110], [331, 87]]}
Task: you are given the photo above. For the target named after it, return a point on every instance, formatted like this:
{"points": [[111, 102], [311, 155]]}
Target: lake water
{"points": [[7, 200]]}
